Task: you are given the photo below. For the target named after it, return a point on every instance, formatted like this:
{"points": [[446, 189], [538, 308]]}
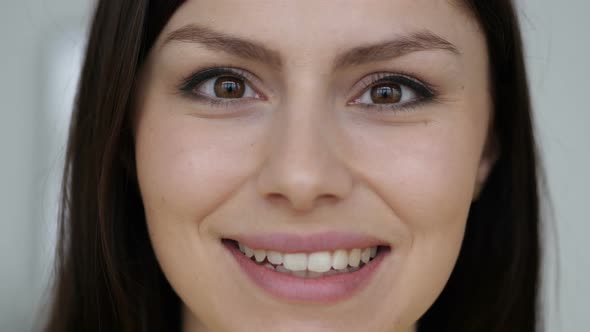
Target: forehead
{"points": [[319, 28]]}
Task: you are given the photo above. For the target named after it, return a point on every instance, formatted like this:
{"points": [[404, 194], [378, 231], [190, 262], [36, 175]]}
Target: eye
{"points": [[219, 85], [392, 91], [225, 87], [387, 93]]}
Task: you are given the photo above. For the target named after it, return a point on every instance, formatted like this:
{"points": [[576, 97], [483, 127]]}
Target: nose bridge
{"points": [[302, 165]]}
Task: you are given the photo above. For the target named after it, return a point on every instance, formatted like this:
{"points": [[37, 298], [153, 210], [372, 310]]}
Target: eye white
{"points": [[407, 95], [207, 88]]}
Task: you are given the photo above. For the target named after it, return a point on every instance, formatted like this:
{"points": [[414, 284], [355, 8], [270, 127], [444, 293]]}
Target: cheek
{"points": [[187, 169], [424, 172], [187, 166]]}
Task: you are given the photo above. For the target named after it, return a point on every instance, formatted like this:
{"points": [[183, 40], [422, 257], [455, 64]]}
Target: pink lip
{"points": [[290, 243], [326, 289]]}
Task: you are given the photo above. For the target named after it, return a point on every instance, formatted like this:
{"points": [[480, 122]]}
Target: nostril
{"points": [[275, 197], [280, 199]]}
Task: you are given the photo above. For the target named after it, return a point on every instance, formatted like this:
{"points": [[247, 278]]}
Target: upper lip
{"points": [[292, 243]]}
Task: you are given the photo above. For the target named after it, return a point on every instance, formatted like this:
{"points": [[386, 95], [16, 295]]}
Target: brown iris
{"points": [[387, 93], [229, 87]]}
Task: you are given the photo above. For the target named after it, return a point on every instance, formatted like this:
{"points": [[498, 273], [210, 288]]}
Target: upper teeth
{"points": [[321, 261]]}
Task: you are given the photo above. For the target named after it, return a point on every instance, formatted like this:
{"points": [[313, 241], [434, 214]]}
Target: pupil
{"points": [[228, 87], [386, 94]]}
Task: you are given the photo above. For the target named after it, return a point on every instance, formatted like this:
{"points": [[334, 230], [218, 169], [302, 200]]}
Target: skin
{"points": [[303, 160]]}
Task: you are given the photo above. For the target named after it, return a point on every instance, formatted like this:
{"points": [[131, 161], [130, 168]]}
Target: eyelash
{"points": [[195, 80], [424, 91]]}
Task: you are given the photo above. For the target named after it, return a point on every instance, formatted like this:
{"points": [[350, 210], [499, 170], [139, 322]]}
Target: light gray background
{"points": [[40, 45]]}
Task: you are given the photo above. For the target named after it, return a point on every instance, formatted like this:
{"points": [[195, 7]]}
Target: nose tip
{"points": [[302, 193], [302, 169]]}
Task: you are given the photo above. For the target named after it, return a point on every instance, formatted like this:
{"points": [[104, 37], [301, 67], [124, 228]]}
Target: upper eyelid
{"points": [[188, 82], [382, 76], [426, 90]]}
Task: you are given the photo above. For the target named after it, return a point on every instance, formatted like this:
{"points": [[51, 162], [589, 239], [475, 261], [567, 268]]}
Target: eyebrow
{"points": [[415, 42], [219, 41], [252, 50]]}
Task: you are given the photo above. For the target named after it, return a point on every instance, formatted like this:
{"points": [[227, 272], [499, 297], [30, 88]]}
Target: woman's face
{"points": [[311, 132]]}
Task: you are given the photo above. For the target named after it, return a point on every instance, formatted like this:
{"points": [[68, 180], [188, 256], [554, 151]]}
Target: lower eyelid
{"points": [[396, 109]]}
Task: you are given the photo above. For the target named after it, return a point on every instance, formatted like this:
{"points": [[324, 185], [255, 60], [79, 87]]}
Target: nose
{"points": [[303, 167]]}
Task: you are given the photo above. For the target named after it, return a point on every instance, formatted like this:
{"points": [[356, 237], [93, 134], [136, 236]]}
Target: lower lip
{"points": [[326, 289]]}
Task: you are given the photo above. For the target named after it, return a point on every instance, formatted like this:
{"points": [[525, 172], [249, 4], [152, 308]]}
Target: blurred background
{"points": [[41, 49]]}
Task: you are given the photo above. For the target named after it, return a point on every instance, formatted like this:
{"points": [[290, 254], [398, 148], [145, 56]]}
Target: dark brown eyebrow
{"points": [[418, 41], [256, 51], [219, 41]]}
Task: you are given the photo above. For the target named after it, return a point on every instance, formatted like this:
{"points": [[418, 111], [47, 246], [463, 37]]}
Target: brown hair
{"points": [[107, 277]]}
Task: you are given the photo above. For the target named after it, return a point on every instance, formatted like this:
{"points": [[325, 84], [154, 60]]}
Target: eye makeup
{"points": [[188, 85], [423, 92]]}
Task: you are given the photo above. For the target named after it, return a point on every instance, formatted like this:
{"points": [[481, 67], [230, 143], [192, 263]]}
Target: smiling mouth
{"points": [[312, 264], [322, 268]]}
